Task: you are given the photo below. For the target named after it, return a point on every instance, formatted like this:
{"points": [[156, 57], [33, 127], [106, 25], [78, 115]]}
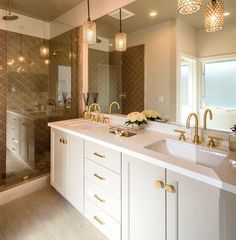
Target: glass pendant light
{"points": [[121, 38], [189, 6], [214, 16], [21, 57], [89, 29], [44, 49]]}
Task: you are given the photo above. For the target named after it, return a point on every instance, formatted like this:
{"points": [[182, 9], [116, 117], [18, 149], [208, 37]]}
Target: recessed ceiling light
{"points": [[152, 14], [226, 14]]}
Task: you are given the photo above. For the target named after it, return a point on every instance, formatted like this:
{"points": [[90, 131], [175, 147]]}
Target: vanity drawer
{"points": [[103, 199], [104, 156], [105, 178], [108, 226]]}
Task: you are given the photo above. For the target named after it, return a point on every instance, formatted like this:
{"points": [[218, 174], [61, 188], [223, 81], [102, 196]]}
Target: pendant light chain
{"points": [[89, 19], [120, 21]]}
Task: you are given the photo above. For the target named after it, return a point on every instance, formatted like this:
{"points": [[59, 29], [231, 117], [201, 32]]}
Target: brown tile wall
{"points": [[133, 79], [3, 97]]}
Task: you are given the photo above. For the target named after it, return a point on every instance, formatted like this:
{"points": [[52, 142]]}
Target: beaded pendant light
{"points": [[89, 29], [214, 16], [187, 7], [121, 38]]}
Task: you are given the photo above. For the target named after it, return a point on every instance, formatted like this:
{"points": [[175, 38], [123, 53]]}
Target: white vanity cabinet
{"points": [[102, 197], [191, 210], [67, 165]]}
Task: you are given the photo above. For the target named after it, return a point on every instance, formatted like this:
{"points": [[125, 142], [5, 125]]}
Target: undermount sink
{"points": [[82, 124], [189, 152]]}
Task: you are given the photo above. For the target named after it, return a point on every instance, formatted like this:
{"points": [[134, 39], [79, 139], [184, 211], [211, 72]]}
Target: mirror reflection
{"points": [[173, 63]]}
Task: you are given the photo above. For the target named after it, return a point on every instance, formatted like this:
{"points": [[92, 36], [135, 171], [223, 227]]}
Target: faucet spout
{"points": [[205, 118], [196, 139], [111, 105]]}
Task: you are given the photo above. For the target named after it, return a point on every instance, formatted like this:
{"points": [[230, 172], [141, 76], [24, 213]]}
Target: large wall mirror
{"points": [[171, 65]]}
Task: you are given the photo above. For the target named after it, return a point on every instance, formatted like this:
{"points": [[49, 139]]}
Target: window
{"points": [[186, 85], [219, 84]]}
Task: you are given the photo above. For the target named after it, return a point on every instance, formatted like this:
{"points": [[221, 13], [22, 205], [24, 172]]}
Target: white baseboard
{"points": [[23, 189]]}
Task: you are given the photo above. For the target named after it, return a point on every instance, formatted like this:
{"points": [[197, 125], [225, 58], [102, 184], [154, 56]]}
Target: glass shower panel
{"points": [[39, 78]]}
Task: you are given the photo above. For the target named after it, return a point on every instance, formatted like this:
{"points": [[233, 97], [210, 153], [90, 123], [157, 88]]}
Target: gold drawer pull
{"points": [[99, 177], [160, 184], [99, 220], [61, 140], [99, 155], [99, 199], [170, 188]]}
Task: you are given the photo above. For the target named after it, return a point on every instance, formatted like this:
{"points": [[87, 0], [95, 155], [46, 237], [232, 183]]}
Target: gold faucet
{"points": [[96, 108], [205, 118], [114, 103], [196, 136]]}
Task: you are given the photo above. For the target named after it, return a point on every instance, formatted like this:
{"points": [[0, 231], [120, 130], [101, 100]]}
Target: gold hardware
{"points": [[114, 103], [212, 143], [205, 118], [25, 178], [99, 177], [86, 114], [122, 131], [182, 135], [65, 141], [99, 220], [61, 141], [170, 188], [98, 198], [105, 120], [99, 155], [196, 136], [159, 184], [122, 95]]}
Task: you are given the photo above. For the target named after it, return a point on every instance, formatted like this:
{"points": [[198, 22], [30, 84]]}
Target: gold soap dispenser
{"points": [[232, 139], [232, 146]]}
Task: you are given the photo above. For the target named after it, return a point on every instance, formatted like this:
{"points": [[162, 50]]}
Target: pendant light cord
{"points": [[89, 19], [120, 21]]}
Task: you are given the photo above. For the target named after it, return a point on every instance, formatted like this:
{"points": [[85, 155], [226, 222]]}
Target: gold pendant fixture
{"points": [[187, 7], [214, 16], [121, 38], [89, 29]]}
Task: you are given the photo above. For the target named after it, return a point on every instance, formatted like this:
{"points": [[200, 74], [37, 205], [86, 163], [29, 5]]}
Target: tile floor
{"points": [[44, 215]]}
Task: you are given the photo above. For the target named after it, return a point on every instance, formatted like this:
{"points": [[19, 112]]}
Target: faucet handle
{"points": [[212, 143], [182, 136]]}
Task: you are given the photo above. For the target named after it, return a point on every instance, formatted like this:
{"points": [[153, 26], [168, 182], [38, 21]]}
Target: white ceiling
{"points": [[43, 9], [166, 9]]}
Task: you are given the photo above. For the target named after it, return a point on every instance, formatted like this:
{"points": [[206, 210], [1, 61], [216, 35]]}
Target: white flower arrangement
{"points": [[137, 118], [152, 115]]}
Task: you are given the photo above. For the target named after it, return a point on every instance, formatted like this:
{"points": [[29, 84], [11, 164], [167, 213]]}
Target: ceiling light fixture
{"points": [[89, 29], [214, 16], [152, 14], [121, 38], [187, 7]]}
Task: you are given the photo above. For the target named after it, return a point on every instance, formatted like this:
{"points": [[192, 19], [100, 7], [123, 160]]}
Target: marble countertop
{"points": [[223, 176]]}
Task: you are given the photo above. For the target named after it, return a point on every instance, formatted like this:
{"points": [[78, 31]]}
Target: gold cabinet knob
{"points": [[159, 184], [170, 188]]}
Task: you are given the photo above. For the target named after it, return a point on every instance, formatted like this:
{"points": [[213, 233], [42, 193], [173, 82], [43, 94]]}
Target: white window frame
{"points": [[201, 97]]}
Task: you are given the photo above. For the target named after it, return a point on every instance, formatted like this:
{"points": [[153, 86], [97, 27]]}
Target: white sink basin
{"points": [[82, 124], [188, 152]]}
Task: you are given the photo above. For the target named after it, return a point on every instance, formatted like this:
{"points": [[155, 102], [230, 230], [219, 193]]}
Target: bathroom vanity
{"points": [[134, 189]]}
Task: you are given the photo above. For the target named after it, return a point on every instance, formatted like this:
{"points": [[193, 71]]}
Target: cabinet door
{"points": [[76, 172], [59, 161], [143, 203], [193, 209]]}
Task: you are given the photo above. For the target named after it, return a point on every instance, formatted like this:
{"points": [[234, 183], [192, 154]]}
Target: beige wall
{"points": [[160, 66], [218, 43]]}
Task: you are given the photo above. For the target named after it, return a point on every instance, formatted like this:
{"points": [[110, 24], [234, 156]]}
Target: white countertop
{"points": [[223, 176]]}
